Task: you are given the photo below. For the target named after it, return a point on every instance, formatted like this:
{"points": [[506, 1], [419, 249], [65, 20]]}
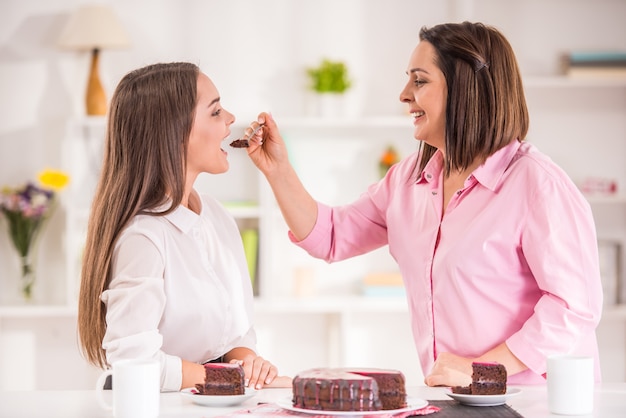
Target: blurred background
{"points": [[257, 53]]}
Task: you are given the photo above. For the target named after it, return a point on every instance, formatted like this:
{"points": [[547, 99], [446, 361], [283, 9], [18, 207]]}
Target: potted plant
{"points": [[329, 77], [329, 80]]}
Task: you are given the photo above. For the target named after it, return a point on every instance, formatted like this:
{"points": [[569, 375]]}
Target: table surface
{"points": [[609, 402]]}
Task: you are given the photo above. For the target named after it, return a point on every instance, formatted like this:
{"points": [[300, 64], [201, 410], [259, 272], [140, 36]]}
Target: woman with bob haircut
{"points": [[496, 245], [164, 274]]}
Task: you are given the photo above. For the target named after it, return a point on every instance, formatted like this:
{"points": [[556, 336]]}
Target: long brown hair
{"points": [[149, 123], [486, 108]]}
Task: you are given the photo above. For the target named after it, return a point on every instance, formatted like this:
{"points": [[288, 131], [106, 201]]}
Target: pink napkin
{"points": [[273, 410]]}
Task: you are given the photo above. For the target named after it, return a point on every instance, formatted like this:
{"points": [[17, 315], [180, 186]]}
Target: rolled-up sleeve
{"points": [[560, 247], [345, 231]]}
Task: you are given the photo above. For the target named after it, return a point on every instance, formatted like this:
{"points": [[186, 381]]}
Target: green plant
{"points": [[329, 77]]}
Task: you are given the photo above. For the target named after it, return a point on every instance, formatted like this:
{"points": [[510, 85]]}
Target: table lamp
{"points": [[94, 27]]}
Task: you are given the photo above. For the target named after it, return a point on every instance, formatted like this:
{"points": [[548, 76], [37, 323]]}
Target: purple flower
{"points": [[25, 209]]}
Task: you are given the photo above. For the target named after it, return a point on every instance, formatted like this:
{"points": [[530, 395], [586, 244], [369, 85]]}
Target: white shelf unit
{"points": [[337, 159]]}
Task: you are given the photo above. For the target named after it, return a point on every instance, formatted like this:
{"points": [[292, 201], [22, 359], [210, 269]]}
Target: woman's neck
{"points": [[191, 201]]}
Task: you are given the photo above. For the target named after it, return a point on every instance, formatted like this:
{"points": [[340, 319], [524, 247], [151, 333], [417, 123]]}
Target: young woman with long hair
{"points": [[164, 274]]}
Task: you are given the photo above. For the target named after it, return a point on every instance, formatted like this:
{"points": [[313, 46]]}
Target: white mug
{"points": [[136, 388], [570, 384]]}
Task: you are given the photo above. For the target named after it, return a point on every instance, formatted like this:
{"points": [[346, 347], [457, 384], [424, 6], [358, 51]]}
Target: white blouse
{"points": [[180, 289]]}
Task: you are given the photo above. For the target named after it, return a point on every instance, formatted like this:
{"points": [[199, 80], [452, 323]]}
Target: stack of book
{"points": [[598, 64], [250, 238], [383, 284]]}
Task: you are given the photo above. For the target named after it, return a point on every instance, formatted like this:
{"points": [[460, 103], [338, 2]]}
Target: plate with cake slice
{"points": [[483, 400], [488, 387], [216, 400], [412, 404]]}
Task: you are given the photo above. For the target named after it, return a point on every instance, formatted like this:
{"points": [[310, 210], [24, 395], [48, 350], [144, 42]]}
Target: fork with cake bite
{"points": [[244, 142]]}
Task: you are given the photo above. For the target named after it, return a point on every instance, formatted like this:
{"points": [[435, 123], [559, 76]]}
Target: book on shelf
{"points": [[597, 72], [597, 58], [383, 284], [598, 64], [250, 239]]}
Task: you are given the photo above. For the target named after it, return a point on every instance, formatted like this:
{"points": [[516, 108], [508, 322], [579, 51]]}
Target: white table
{"points": [[609, 402]]}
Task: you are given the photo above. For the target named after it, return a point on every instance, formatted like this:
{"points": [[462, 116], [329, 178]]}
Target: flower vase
{"points": [[28, 275], [27, 251], [26, 210]]}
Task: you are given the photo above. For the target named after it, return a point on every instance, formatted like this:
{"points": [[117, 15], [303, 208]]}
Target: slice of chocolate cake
{"points": [[222, 379], [462, 390], [487, 379]]}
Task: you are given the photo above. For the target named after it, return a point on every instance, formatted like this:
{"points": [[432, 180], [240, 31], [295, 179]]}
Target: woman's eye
{"points": [[217, 112], [419, 82]]}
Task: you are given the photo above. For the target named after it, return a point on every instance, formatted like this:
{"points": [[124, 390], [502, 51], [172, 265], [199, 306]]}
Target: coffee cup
{"points": [[570, 380], [136, 388]]}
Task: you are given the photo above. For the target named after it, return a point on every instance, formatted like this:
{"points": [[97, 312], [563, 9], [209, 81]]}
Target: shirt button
{"points": [[458, 193], [434, 193], [428, 176]]}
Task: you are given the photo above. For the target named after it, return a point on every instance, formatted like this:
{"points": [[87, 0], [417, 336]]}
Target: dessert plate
{"points": [[411, 405], [216, 400], [484, 400]]}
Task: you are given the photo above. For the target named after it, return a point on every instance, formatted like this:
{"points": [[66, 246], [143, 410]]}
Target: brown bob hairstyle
{"points": [[486, 108]]}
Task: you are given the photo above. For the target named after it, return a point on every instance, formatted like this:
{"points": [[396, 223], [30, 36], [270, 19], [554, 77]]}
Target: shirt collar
{"points": [[488, 174], [433, 168], [182, 218]]}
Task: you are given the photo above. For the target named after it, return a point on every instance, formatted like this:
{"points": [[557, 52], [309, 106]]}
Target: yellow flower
{"points": [[53, 179]]}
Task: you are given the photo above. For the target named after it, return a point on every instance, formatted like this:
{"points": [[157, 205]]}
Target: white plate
{"points": [[216, 400], [411, 404], [484, 400]]}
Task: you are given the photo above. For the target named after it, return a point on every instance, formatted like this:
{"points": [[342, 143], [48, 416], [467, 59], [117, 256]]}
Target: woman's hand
{"points": [[267, 149], [450, 370], [192, 373], [280, 382], [258, 371]]}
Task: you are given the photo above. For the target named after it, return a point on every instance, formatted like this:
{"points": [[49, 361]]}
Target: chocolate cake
{"points": [[349, 389], [391, 386], [240, 143], [487, 379], [222, 379]]}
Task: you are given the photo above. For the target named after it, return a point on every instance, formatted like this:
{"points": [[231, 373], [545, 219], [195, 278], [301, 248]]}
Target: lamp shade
{"points": [[93, 27]]}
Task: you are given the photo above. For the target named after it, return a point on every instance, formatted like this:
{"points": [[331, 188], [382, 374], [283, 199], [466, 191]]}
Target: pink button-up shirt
{"points": [[514, 258]]}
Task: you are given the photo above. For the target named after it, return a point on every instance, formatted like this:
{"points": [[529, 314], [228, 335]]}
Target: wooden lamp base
{"points": [[96, 100]]}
